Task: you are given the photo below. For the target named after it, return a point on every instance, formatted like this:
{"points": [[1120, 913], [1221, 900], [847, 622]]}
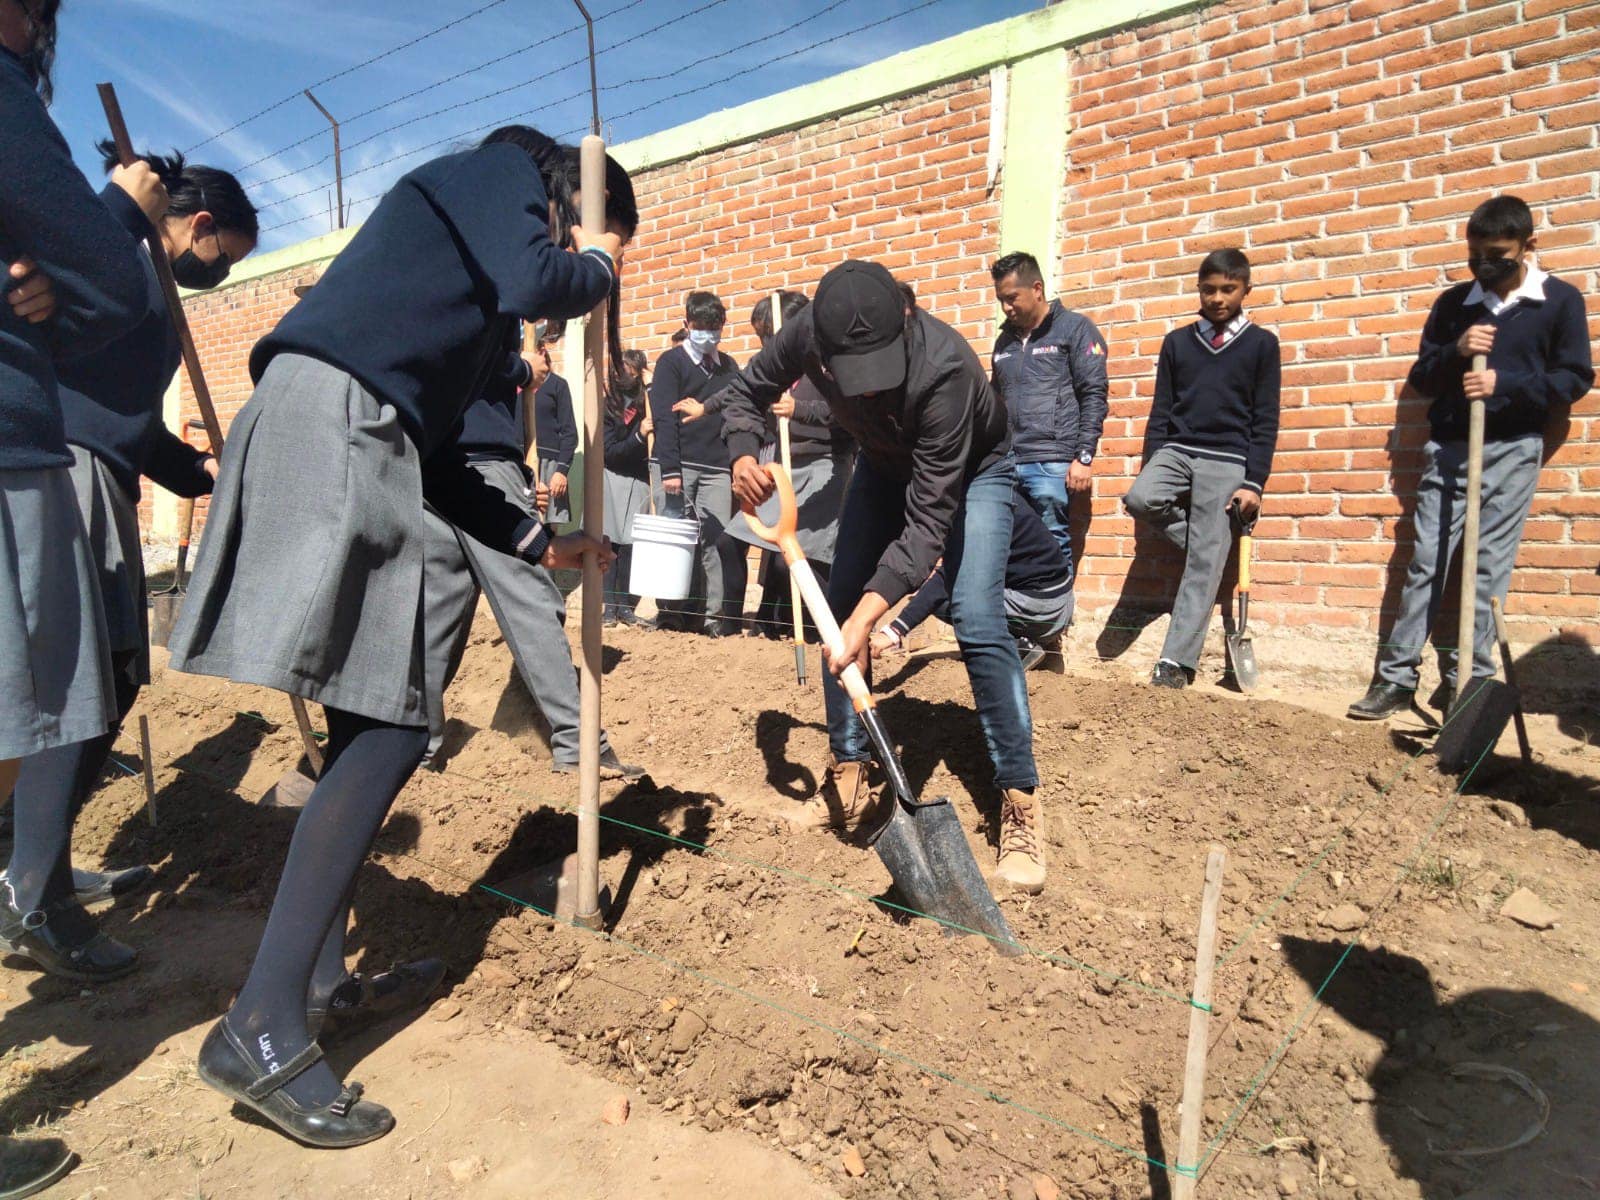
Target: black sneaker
{"points": [[1169, 675], [628, 617], [1382, 700]]}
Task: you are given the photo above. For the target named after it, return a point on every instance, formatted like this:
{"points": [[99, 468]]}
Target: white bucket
{"points": [[663, 556]]}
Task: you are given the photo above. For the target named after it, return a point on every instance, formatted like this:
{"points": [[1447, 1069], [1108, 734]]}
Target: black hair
{"points": [[1229, 262], [1500, 217], [791, 305], [192, 189], [679, 335], [704, 308], [41, 56], [559, 167], [909, 295], [629, 382], [1021, 264]]}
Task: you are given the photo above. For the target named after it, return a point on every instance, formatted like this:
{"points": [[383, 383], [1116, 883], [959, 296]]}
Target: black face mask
{"points": [[193, 272], [1493, 273]]}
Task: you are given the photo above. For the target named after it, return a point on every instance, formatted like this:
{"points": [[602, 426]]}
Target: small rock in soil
{"points": [[1343, 919], [446, 1010], [465, 1170], [940, 1149], [616, 1111], [1288, 1185], [493, 975], [685, 1030], [1020, 1189], [1525, 908], [854, 1165], [1045, 1188]]}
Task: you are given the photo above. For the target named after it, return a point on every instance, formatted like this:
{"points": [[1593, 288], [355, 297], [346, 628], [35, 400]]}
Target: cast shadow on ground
{"points": [[1441, 1084], [792, 780], [930, 733]]}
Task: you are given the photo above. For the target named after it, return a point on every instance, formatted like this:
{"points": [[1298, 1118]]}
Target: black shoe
{"points": [[364, 1000], [609, 621], [1169, 675], [29, 1165], [1382, 700], [63, 941], [93, 886], [628, 617], [725, 628], [1031, 652], [349, 1121]]}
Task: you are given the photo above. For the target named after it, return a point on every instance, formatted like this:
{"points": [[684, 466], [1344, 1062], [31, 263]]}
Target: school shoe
{"points": [[349, 1121], [91, 887], [611, 768], [63, 942], [1031, 653], [1021, 862], [727, 627], [627, 616], [851, 799], [1169, 675], [29, 1165], [364, 1000], [1382, 700]]}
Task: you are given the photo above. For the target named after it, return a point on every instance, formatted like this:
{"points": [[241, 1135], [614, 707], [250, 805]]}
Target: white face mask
{"points": [[705, 339]]}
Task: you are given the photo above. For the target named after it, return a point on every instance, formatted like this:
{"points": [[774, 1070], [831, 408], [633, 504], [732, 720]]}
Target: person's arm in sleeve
{"points": [[52, 216], [1439, 362], [939, 463], [625, 444], [666, 389], [172, 463], [1159, 427], [811, 407], [496, 203], [1568, 373], [469, 502], [1086, 362], [928, 599], [1264, 417], [514, 371], [776, 368], [566, 447]]}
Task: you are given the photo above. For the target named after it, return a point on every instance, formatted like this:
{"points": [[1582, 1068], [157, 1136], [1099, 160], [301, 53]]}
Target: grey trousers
{"points": [[1510, 477], [527, 604], [1186, 498], [720, 567]]}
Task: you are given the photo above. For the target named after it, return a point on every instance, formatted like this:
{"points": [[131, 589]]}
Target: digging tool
{"points": [[531, 340], [164, 604], [165, 613], [1517, 714], [920, 841], [785, 457], [1241, 650]]}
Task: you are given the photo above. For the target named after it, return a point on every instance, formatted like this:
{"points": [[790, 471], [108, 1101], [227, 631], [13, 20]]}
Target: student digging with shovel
{"points": [[934, 476]]}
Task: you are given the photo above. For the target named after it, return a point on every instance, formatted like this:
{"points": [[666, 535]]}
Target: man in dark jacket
{"points": [[935, 477], [1050, 369]]}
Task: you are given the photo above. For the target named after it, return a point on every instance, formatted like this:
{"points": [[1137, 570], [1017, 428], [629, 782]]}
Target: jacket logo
{"points": [[1045, 350]]}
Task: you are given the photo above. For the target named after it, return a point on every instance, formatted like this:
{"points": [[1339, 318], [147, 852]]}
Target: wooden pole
{"points": [[592, 167], [1466, 639], [786, 458], [530, 417], [1187, 1166], [149, 768], [1517, 715]]}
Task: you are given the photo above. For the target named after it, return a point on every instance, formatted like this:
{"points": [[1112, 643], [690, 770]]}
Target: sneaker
{"points": [[1031, 652], [1382, 700], [1170, 675], [1022, 862]]}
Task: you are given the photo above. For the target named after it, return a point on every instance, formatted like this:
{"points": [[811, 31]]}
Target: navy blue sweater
{"points": [[555, 422], [49, 212], [1220, 404], [626, 452], [417, 305], [111, 401], [699, 443], [1541, 361], [492, 427]]}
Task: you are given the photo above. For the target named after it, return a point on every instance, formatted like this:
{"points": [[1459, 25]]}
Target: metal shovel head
{"points": [[163, 616], [1474, 726], [292, 790], [1242, 653]]}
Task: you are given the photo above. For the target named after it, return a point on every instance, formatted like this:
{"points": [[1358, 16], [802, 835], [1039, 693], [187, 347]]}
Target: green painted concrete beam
{"points": [[1035, 159]]}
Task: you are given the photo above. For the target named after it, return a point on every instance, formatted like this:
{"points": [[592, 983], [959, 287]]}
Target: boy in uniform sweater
{"points": [[1533, 330], [1209, 443], [694, 462]]}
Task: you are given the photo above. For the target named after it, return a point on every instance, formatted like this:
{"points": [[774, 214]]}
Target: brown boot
{"points": [[1022, 841], [848, 801]]}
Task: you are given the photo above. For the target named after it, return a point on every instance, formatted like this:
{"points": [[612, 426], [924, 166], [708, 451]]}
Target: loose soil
{"points": [[771, 1022]]}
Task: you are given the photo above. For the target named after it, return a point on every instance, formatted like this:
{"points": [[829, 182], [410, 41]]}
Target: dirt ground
{"points": [[770, 1022]]}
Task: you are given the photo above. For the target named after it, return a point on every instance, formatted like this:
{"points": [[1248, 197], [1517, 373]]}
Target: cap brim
{"points": [[880, 370]]}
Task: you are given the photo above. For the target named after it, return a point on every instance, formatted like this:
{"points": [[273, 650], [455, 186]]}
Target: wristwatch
{"points": [[1086, 457]]}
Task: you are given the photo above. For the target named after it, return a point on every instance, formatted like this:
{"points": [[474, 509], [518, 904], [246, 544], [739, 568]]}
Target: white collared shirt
{"points": [[1229, 331], [707, 361], [1532, 288]]}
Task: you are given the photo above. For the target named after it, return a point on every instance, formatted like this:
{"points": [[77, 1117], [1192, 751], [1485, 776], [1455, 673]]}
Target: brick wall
{"points": [[1341, 145]]}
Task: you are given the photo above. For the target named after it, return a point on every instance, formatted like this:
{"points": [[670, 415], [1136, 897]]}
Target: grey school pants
{"points": [[527, 604], [1186, 498], [1510, 477]]}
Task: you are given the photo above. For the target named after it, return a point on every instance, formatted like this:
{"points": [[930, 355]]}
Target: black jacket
{"points": [[813, 433], [944, 427], [48, 212], [1053, 382]]}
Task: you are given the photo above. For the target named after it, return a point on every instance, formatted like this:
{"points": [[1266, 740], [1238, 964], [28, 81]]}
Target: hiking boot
{"points": [[1169, 675], [1382, 700], [849, 800], [1021, 861]]}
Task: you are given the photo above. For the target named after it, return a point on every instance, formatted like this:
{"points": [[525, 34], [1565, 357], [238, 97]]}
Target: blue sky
{"points": [[188, 69]]}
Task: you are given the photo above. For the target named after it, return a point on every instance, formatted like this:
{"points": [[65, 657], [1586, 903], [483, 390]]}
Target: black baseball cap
{"points": [[860, 321]]}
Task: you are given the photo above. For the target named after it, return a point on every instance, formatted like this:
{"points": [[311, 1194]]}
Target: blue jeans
{"points": [[1045, 486], [975, 563]]}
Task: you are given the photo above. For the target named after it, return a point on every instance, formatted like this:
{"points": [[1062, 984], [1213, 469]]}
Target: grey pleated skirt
{"points": [[309, 577], [111, 520], [55, 663], [560, 510], [626, 497], [819, 487]]}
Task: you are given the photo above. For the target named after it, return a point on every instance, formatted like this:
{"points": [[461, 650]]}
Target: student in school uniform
{"points": [[1208, 448], [71, 283], [693, 465], [309, 579], [628, 433], [555, 435], [528, 605], [112, 404], [1533, 330]]}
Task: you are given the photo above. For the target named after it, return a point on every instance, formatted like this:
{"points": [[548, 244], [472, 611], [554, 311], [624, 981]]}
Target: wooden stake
{"points": [[1466, 639], [785, 457], [149, 768], [1186, 1165], [308, 740], [592, 179]]}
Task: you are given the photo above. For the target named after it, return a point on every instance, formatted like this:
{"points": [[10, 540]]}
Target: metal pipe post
{"points": [[338, 159]]}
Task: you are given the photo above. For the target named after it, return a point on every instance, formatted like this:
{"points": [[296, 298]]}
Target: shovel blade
{"points": [[1242, 650], [292, 790], [163, 616], [552, 888], [1474, 725], [932, 866]]}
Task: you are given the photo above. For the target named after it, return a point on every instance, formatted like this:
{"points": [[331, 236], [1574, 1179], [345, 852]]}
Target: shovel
{"points": [[1241, 650], [1478, 719], [164, 604], [920, 842]]}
